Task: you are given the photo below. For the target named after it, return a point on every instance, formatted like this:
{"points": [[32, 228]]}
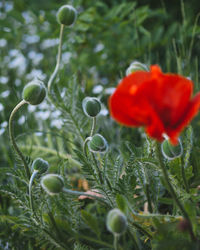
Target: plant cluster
{"points": [[93, 184]]}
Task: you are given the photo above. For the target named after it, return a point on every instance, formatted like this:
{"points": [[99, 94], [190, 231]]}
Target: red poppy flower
{"points": [[160, 102]]}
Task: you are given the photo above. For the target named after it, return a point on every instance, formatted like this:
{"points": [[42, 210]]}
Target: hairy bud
{"points": [[171, 152], [98, 144], [136, 66], [34, 92], [91, 106], [116, 221], [52, 183], [67, 15], [40, 165]]}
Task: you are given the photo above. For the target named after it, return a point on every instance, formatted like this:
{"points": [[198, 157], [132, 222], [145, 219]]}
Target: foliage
{"points": [[96, 51]]}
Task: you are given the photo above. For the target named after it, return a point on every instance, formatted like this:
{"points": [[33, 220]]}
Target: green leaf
{"points": [[91, 221], [122, 203]]}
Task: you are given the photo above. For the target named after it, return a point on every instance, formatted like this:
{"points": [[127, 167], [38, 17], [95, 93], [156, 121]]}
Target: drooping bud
{"points": [[170, 151], [98, 144], [40, 165], [34, 92], [52, 183], [136, 66], [67, 15], [116, 221], [91, 106]]}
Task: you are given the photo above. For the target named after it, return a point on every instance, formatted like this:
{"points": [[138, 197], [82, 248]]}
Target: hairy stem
{"points": [[171, 189], [58, 60], [115, 242], [30, 189], [12, 138], [94, 120]]}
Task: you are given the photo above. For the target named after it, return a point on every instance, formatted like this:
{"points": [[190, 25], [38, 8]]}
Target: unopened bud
{"points": [[34, 92], [116, 221], [52, 183], [171, 152], [136, 66], [91, 106], [40, 165], [98, 144], [67, 15]]}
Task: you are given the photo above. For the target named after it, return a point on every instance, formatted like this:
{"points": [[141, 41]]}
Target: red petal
{"points": [[190, 112]]}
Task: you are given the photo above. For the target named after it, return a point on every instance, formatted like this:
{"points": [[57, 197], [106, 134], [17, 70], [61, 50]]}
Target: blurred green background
{"points": [[106, 38]]}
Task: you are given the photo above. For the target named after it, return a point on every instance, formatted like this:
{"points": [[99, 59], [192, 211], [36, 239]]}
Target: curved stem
{"points": [[12, 138], [30, 189], [171, 189], [94, 120], [85, 145], [77, 193], [58, 60]]}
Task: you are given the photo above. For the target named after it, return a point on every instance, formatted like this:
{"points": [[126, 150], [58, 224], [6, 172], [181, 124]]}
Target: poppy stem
{"points": [[93, 126], [171, 189], [58, 60], [12, 137], [35, 172]]}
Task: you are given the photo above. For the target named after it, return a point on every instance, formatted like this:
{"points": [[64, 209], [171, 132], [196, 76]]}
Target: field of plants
{"points": [[99, 125]]}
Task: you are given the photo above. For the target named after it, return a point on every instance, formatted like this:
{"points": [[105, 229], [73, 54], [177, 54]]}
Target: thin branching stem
{"points": [[12, 137]]}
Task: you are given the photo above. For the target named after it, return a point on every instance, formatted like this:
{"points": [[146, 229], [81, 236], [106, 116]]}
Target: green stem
{"points": [[94, 120], [171, 189], [12, 138], [98, 171], [115, 242], [30, 189], [77, 193], [184, 177], [58, 60], [147, 191], [85, 145]]}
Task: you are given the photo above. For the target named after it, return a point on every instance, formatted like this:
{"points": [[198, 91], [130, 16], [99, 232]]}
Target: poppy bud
{"points": [[183, 225], [66, 15], [91, 106], [34, 92], [52, 183], [40, 165], [171, 152], [98, 144], [136, 66], [116, 221]]}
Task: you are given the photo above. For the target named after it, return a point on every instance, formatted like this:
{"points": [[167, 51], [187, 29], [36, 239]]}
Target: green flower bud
{"points": [[136, 66], [52, 183], [40, 165], [91, 106], [97, 144], [116, 221], [67, 15], [171, 152], [34, 92]]}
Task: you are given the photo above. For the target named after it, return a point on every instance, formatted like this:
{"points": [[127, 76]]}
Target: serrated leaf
{"points": [[91, 221], [122, 203]]}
